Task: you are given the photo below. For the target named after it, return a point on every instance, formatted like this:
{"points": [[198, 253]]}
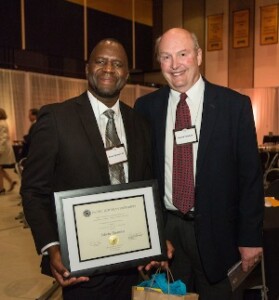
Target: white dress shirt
{"points": [[195, 102], [99, 108]]}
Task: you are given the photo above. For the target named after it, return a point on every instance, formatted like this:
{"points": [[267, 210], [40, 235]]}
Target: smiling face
{"points": [[180, 58], [107, 71]]}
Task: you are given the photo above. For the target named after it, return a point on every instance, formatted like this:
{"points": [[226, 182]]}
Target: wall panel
{"points": [[172, 14], [194, 20], [241, 60], [266, 72], [216, 62]]}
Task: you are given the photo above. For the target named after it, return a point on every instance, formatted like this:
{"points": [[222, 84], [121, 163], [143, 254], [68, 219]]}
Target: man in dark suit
{"points": [[68, 152], [221, 218]]}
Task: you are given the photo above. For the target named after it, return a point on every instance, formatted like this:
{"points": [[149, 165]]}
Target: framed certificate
{"points": [[108, 228]]}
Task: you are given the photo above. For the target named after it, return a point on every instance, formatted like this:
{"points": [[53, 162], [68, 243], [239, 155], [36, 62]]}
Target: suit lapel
{"points": [[91, 128], [160, 117], [129, 132], [210, 110]]}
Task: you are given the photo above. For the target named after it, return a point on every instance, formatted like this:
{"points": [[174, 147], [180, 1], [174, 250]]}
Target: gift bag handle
{"points": [[169, 277]]}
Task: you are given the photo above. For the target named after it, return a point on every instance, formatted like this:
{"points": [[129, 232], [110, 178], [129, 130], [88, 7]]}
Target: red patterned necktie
{"points": [[183, 191]]}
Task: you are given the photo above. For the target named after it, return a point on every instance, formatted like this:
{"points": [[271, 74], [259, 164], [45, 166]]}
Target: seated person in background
{"points": [[33, 113]]}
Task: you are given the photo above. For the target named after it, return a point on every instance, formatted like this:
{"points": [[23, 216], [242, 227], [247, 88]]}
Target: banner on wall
{"points": [[269, 25], [215, 32], [241, 28]]}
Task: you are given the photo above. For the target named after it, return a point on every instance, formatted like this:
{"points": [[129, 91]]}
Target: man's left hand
{"points": [[250, 256]]}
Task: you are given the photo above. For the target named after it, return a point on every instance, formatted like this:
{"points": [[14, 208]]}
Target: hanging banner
{"points": [[215, 32], [241, 28], [269, 25]]}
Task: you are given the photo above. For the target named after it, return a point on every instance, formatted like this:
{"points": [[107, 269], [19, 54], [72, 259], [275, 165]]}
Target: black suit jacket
{"points": [[229, 185], [67, 153]]}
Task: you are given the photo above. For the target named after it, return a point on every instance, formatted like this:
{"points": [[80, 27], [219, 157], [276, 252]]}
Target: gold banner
{"points": [[215, 32], [269, 25], [241, 29]]}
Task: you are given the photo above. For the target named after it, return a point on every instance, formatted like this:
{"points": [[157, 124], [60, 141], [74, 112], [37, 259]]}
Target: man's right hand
{"points": [[59, 272]]}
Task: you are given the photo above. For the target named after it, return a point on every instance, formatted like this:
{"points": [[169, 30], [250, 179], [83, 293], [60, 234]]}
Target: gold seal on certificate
{"points": [[113, 240], [109, 228]]}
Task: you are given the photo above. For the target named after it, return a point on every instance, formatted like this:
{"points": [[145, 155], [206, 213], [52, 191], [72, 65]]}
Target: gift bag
{"points": [[141, 293], [162, 287]]}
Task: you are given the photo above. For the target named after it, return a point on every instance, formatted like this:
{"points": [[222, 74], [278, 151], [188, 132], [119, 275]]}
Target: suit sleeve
{"points": [[37, 181], [251, 206]]}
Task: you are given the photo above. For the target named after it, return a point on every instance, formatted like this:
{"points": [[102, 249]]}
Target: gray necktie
{"points": [[116, 171]]}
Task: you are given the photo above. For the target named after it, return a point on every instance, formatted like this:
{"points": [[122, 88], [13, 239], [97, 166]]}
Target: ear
{"points": [[199, 56]]}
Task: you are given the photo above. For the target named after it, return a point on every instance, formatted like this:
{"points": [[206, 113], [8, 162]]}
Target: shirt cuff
{"points": [[44, 249]]}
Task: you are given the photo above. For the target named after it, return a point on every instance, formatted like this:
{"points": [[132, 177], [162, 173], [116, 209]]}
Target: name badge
{"points": [[186, 136], [116, 155]]}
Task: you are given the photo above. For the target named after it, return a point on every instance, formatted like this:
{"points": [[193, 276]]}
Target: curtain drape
{"points": [[265, 102], [20, 91]]}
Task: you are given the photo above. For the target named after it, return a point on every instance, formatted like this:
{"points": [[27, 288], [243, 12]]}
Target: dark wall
{"points": [[10, 32], [101, 25], [54, 37], [54, 27]]}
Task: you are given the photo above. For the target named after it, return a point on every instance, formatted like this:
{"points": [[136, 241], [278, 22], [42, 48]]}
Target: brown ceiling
{"points": [[123, 8]]}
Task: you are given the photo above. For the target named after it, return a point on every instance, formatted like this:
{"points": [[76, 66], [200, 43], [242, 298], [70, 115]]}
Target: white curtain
{"points": [[265, 102], [20, 91]]}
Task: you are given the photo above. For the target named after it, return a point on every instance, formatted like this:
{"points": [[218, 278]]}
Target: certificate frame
{"points": [[125, 225]]}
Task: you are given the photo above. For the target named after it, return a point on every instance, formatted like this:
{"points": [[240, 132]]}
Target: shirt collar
{"points": [[99, 108], [195, 92]]}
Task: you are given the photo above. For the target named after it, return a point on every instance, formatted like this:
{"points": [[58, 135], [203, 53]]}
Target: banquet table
{"points": [[270, 152], [272, 148]]}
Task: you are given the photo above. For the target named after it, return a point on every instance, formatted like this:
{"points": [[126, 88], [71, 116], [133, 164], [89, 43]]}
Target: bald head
{"points": [[175, 34], [180, 56]]}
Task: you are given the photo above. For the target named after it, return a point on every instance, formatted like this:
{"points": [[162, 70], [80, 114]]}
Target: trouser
{"points": [[116, 286], [186, 264]]}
